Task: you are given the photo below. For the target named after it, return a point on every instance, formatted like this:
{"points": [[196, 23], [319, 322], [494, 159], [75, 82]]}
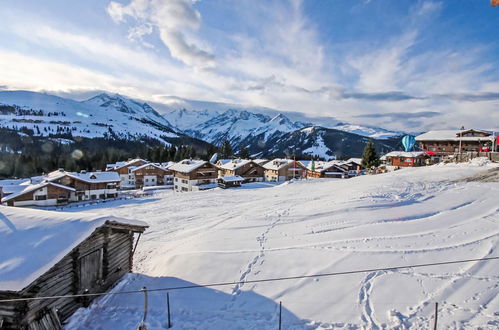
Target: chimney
{"points": [[83, 171]]}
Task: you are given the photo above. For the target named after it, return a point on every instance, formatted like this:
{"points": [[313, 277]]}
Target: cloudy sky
{"points": [[404, 64]]}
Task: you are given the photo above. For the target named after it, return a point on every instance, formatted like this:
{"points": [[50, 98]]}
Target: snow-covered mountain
{"points": [[278, 135], [238, 125], [196, 117], [104, 115], [316, 141]]}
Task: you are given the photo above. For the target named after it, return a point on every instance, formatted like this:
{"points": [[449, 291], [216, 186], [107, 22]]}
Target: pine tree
{"points": [[244, 153], [369, 157], [226, 150]]}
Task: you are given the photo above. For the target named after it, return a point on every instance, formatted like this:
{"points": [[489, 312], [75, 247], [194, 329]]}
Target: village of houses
{"points": [[61, 187], [94, 252]]}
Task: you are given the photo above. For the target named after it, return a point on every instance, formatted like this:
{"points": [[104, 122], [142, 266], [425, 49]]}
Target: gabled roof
{"points": [[261, 161], [34, 187], [149, 164], [188, 165], [119, 165], [235, 164], [233, 178], [278, 163], [411, 154], [223, 161], [35, 240], [452, 135], [89, 177]]}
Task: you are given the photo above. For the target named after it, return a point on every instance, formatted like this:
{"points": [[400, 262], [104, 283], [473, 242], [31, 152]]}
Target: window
{"points": [[147, 180], [102, 196], [185, 181], [184, 189], [93, 196], [40, 197], [176, 179]]}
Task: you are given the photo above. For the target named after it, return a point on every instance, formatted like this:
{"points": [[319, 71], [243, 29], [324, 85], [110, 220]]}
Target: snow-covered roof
{"points": [[14, 185], [90, 177], [235, 164], [187, 165], [223, 161], [452, 135], [411, 154], [357, 161], [261, 161], [34, 187], [277, 164], [167, 165], [119, 165], [35, 240], [135, 168], [233, 178]]}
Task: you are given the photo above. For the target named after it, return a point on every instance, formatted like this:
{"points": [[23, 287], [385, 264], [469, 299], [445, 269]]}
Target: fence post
{"points": [[280, 315], [142, 325], [168, 307], [436, 317]]}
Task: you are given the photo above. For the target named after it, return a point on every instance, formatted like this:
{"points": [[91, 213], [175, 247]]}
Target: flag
{"points": [[494, 3]]}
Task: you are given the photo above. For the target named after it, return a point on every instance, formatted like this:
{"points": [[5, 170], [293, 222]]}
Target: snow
{"points": [[319, 149], [234, 164], [33, 241], [277, 164], [451, 135], [408, 154], [411, 216], [91, 118], [187, 165], [232, 178]]}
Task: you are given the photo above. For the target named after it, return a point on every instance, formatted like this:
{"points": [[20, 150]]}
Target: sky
{"points": [[408, 65]]}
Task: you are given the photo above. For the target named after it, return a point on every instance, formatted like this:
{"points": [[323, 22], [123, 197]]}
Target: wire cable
{"points": [[194, 286]]}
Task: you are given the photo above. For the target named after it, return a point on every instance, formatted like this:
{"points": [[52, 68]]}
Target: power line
{"points": [[275, 279]]}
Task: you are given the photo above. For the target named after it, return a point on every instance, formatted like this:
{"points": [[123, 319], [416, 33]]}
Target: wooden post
{"points": [[168, 307], [142, 325], [280, 315], [436, 317]]}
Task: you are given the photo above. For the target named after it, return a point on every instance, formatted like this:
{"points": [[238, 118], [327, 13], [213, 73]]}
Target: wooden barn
{"points": [[48, 253]]}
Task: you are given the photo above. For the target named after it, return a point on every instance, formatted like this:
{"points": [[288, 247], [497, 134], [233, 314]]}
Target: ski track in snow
{"points": [[409, 217]]}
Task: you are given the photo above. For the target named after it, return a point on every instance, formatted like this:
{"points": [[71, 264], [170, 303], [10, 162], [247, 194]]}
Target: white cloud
{"points": [[175, 20]]}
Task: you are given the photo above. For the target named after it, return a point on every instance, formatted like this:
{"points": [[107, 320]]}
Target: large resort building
{"points": [[448, 142]]}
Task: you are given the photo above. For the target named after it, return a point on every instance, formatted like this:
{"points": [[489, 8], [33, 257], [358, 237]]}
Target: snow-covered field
{"points": [[406, 217]]}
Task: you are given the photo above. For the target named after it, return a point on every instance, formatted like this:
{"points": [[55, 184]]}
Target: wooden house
{"points": [[278, 170], [246, 168], [125, 171], [225, 182], [406, 159], [331, 169], [59, 254], [194, 175], [61, 187], [447, 142], [151, 174]]}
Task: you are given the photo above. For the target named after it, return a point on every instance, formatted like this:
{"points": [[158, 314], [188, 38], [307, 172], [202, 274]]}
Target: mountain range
{"points": [[265, 132]]}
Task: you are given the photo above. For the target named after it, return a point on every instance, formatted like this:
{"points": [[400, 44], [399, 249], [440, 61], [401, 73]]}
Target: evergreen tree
{"points": [[244, 153], [369, 157], [226, 150]]}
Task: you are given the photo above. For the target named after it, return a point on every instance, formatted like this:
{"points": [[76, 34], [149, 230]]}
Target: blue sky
{"points": [[411, 65]]}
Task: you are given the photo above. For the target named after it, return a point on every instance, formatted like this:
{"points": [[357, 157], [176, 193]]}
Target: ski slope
{"points": [[411, 216]]}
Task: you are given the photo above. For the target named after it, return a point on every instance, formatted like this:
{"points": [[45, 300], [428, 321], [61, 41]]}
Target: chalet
{"points": [[447, 142], [278, 170], [193, 175], [125, 171], [151, 174], [331, 169], [246, 168], [406, 159], [223, 161], [225, 182], [61, 187], [58, 254]]}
